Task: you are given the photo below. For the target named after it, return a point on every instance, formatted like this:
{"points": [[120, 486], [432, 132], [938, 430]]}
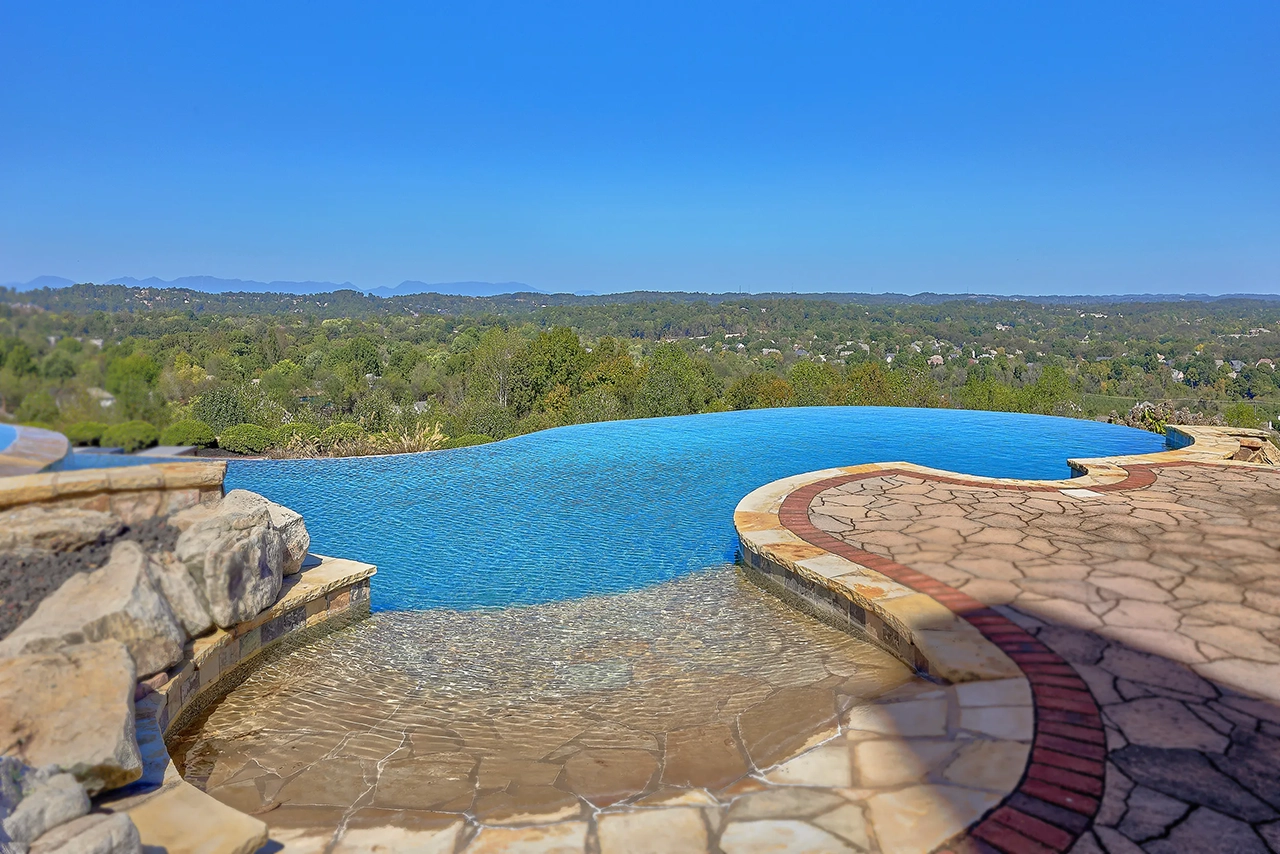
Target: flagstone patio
{"points": [[1143, 605]]}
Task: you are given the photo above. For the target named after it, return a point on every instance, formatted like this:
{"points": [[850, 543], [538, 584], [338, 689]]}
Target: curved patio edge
{"points": [[32, 450], [954, 638]]}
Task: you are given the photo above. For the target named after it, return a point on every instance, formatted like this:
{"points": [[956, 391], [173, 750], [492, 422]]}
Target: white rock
{"points": [[180, 590], [96, 833], [236, 556], [118, 601], [73, 709], [287, 522], [52, 800]]}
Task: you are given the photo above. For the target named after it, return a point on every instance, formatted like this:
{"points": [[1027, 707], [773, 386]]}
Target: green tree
{"points": [[814, 384], [58, 366], [220, 408], [39, 407], [759, 391], [672, 384]]}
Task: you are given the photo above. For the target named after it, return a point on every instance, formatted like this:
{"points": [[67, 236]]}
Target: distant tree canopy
{"points": [[92, 357]]}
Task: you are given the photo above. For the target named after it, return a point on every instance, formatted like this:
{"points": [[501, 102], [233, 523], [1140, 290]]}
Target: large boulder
{"points": [[181, 591], [290, 524], [28, 530], [118, 601], [73, 709], [95, 833], [49, 799], [236, 556]]}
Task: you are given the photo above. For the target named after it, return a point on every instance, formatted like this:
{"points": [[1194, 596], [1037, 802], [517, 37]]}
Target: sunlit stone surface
{"points": [[526, 717]]}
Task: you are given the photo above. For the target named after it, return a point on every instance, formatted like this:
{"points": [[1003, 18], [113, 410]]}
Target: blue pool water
{"points": [[603, 508], [7, 435]]}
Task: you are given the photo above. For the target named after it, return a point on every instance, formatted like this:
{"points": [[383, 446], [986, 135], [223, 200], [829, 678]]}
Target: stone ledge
{"points": [[31, 451], [132, 493]]}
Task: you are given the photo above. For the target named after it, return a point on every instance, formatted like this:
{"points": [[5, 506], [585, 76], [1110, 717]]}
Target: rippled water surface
{"points": [[490, 714], [603, 508]]}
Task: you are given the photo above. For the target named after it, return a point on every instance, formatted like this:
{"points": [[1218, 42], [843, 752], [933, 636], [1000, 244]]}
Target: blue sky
{"points": [[993, 147]]}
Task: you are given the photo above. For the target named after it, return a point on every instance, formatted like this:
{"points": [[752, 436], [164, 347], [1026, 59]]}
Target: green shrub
{"points": [[130, 436], [85, 432], [335, 433], [466, 440], [190, 432], [1242, 414], [286, 433], [245, 439]]}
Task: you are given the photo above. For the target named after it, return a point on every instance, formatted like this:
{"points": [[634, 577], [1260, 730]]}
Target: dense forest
{"points": [[349, 373]]}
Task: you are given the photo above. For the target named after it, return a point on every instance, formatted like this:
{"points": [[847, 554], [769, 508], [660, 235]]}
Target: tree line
{"points": [[277, 380]]}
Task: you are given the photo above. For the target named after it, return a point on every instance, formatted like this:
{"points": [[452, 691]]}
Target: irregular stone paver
{"points": [[1162, 594], [701, 715]]}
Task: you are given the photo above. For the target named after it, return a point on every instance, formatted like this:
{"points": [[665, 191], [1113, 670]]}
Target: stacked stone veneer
{"points": [[75, 721]]}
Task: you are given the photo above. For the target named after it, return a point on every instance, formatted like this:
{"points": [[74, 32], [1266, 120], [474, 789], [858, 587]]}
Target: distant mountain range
{"points": [[214, 285]]}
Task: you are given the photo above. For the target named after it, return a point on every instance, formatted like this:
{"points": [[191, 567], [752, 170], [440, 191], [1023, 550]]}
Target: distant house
{"points": [[936, 361], [1177, 375], [105, 398], [769, 351], [1270, 364]]}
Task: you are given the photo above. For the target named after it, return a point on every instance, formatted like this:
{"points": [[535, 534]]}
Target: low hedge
{"points": [[246, 439], [190, 432], [466, 440], [85, 432], [130, 436]]}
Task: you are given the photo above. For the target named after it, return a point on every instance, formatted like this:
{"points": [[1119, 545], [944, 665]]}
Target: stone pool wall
{"points": [[169, 812], [83, 764], [130, 493]]}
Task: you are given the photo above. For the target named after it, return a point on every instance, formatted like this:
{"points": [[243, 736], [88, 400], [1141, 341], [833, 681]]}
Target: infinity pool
{"points": [[7, 435], [623, 505]]}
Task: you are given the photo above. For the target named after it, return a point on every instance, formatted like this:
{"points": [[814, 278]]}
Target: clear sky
{"points": [[1019, 147]]}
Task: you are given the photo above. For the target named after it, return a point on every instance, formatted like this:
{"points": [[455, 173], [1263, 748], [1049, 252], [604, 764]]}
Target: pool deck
{"points": [[1141, 603]]}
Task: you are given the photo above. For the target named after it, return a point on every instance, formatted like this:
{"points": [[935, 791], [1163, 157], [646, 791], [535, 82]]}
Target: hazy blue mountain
{"points": [[214, 285], [461, 289], [40, 282]]}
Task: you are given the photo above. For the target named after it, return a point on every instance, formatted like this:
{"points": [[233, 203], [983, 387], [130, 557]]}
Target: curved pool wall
{"points": [[621, 505]]}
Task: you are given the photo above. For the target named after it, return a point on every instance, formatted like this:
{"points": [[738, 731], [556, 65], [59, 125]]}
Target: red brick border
{"points": [[1062, 786]]}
